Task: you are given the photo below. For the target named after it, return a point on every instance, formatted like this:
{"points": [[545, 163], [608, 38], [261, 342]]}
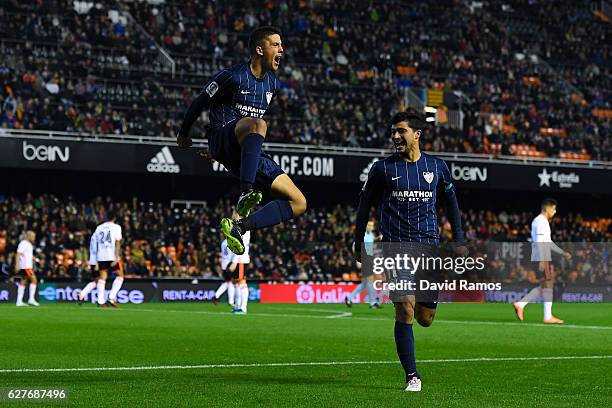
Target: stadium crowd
{"points": [[160, 241], [80, 66]]}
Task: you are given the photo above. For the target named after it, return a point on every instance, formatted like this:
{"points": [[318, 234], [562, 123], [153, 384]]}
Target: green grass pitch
{"points": [[473, 355]]}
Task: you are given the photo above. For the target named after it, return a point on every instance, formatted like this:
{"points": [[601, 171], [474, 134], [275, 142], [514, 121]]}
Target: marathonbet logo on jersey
{"points": [[163, 162], [412, 195]]}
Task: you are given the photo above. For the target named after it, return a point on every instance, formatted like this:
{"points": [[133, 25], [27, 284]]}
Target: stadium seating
{"points": [[160, 241], [96, 71]]}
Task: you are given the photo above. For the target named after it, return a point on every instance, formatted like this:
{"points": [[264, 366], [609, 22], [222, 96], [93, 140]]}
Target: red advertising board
{"points": [[308, 293]]}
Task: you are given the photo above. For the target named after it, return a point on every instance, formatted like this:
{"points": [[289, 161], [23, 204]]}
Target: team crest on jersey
{"points": [[428, 176], [268, 96], [212, 88]]}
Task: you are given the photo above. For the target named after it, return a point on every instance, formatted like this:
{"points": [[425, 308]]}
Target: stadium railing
{"points": [[294, 148]]}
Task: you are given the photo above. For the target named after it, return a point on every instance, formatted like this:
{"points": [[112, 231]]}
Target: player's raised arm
{"points": [[452, 204], [369, 196], [211, 92]]}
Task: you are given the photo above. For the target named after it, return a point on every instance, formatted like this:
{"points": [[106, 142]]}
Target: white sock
{"points": [[20, 292], [115, 288], [90, 286], [32, 292], [244, 297], [101, 285], [532, 296], [547, 294], [231, 293], [221, 290]]}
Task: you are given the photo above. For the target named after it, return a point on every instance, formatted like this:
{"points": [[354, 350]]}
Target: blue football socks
{"points": [[273, 213], [249, 157], [404, 342]]}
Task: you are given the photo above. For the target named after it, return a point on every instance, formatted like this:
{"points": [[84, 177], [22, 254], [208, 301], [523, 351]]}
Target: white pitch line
{"points": [[351, 317], [345, 314], [568, 326], [296, 364], [228, 313]]}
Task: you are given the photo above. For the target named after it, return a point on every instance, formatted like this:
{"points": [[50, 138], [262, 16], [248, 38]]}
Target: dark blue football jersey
{"points": [[236, 93], [405, 195]]}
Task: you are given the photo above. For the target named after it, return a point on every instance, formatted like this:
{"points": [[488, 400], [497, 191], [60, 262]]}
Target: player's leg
{"points": [[244, 296], [349, 299], [117, 282], [369, 286], [404, 341], [250, 134], [221, 290], [243, 288], [86, 291], [231, 293], [237, 298], [290, 203], [424, 312], [33, 284], [101, 286], [21, 289], [534, 295], [93, 284], [547, 294]]}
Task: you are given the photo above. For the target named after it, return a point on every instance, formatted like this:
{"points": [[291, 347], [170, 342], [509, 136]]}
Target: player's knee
{"points": [[425, 321], [404, 313], [258, 126], [298, 205]]}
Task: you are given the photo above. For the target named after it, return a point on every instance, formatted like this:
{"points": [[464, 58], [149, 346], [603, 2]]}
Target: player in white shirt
{"points": [[228, 266], [105, 254], [541, 247], [242, 290], [24, 267]]}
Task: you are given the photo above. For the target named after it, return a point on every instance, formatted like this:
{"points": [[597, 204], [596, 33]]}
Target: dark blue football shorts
{"points": [[424, 297], [224, 148]]}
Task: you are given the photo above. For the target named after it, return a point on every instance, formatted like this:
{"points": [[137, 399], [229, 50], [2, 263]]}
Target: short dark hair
{"points": [[548, 202], [259, 34], [111, 215], [414, 119]]}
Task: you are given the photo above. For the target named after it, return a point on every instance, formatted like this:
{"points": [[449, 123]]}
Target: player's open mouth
{"points": [[399, 143], [277, 59]]}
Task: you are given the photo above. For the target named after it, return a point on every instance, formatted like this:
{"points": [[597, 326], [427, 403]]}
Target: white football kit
{"points": [[227, 256], [541, 242], [102, 244], [245, 258], [26, 255]]}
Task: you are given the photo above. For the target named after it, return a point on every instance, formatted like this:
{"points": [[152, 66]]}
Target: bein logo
{"points": [[45, 153], [468, 173]]}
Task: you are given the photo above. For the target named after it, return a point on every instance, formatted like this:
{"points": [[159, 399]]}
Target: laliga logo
{"points": [[305, 294]]}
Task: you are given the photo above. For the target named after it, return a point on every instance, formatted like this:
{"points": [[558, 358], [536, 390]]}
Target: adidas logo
{"points": [[163, 162]]}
